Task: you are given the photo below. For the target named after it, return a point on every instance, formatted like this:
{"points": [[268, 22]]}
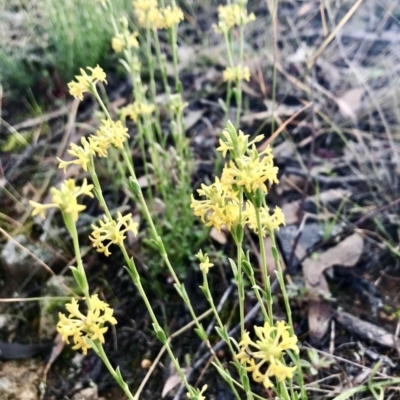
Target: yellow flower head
{"points": [[170, 16], [144, 5], [81, 327], [65, 199], [176, 103], [236, 74], [221, 206], [269, 222], [232, 15], [85, 83], [236, 142], [136, 109], [122, 41], [82, 154], [112, 231], [110, 133], [148, 14], [251, 172], [205, 264], [248, 168], [118, 43], [272, 343]]}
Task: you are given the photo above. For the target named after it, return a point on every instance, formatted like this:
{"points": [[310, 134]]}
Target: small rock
{"points": [[89, 393], [18, 265], [20, 379]]}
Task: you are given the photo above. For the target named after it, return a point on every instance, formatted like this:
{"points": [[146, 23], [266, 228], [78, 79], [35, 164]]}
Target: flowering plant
{"points": [[237, 200]]}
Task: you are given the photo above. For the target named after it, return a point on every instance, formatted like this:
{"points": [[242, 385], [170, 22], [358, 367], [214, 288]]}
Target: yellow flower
{"points": [[144, 5], [273, 342], [170, 16], [205, 264], [132, 40], [82, 154], [236, 142], [85, 83], [118, 43], [221, 206], [136, 109], [148, 14], [112, 231], [232, 15], [65, 199], [250, 171], [236, 74], [81, 327], [109, 133], [269, 222]]}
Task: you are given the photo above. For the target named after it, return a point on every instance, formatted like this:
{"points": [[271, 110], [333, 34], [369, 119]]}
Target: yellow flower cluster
{"points": [[269, 221], [65, 199], [121, 41], [136, 109], [248, 171], [85, 83], [110, 133], [81, 327], [112, 231], [149, 14], [232, 15], [273, 342], [221, 206], [236, 74]]}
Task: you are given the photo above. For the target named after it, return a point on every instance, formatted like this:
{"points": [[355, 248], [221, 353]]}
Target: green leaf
{"points": [[134, 275], [222, 105], [275, 253], [182, 291], [162, 337], [247, 268], [134, 186], [223, 333], [233, 266], [201, 333], [80, 279], [239, 233], [259, 198]]}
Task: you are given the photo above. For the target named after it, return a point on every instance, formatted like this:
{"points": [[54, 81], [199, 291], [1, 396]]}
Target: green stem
{"points": [[264, 269], [117, 377], [238, 90], [288, 312], [239, 278], [151, 67], [173, 37], [70, 224], [221, 326], [131, 265]]}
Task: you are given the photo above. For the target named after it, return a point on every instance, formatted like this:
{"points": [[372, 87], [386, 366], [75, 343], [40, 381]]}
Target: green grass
{"points": [[51, 40]]}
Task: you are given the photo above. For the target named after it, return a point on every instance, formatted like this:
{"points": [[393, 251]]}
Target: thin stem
{"points": [[221, 326], [238, 90], [288, 312], [173, 37], [264, 270], [124, 386], [75, 240], [239, 278], [157, 327]]}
